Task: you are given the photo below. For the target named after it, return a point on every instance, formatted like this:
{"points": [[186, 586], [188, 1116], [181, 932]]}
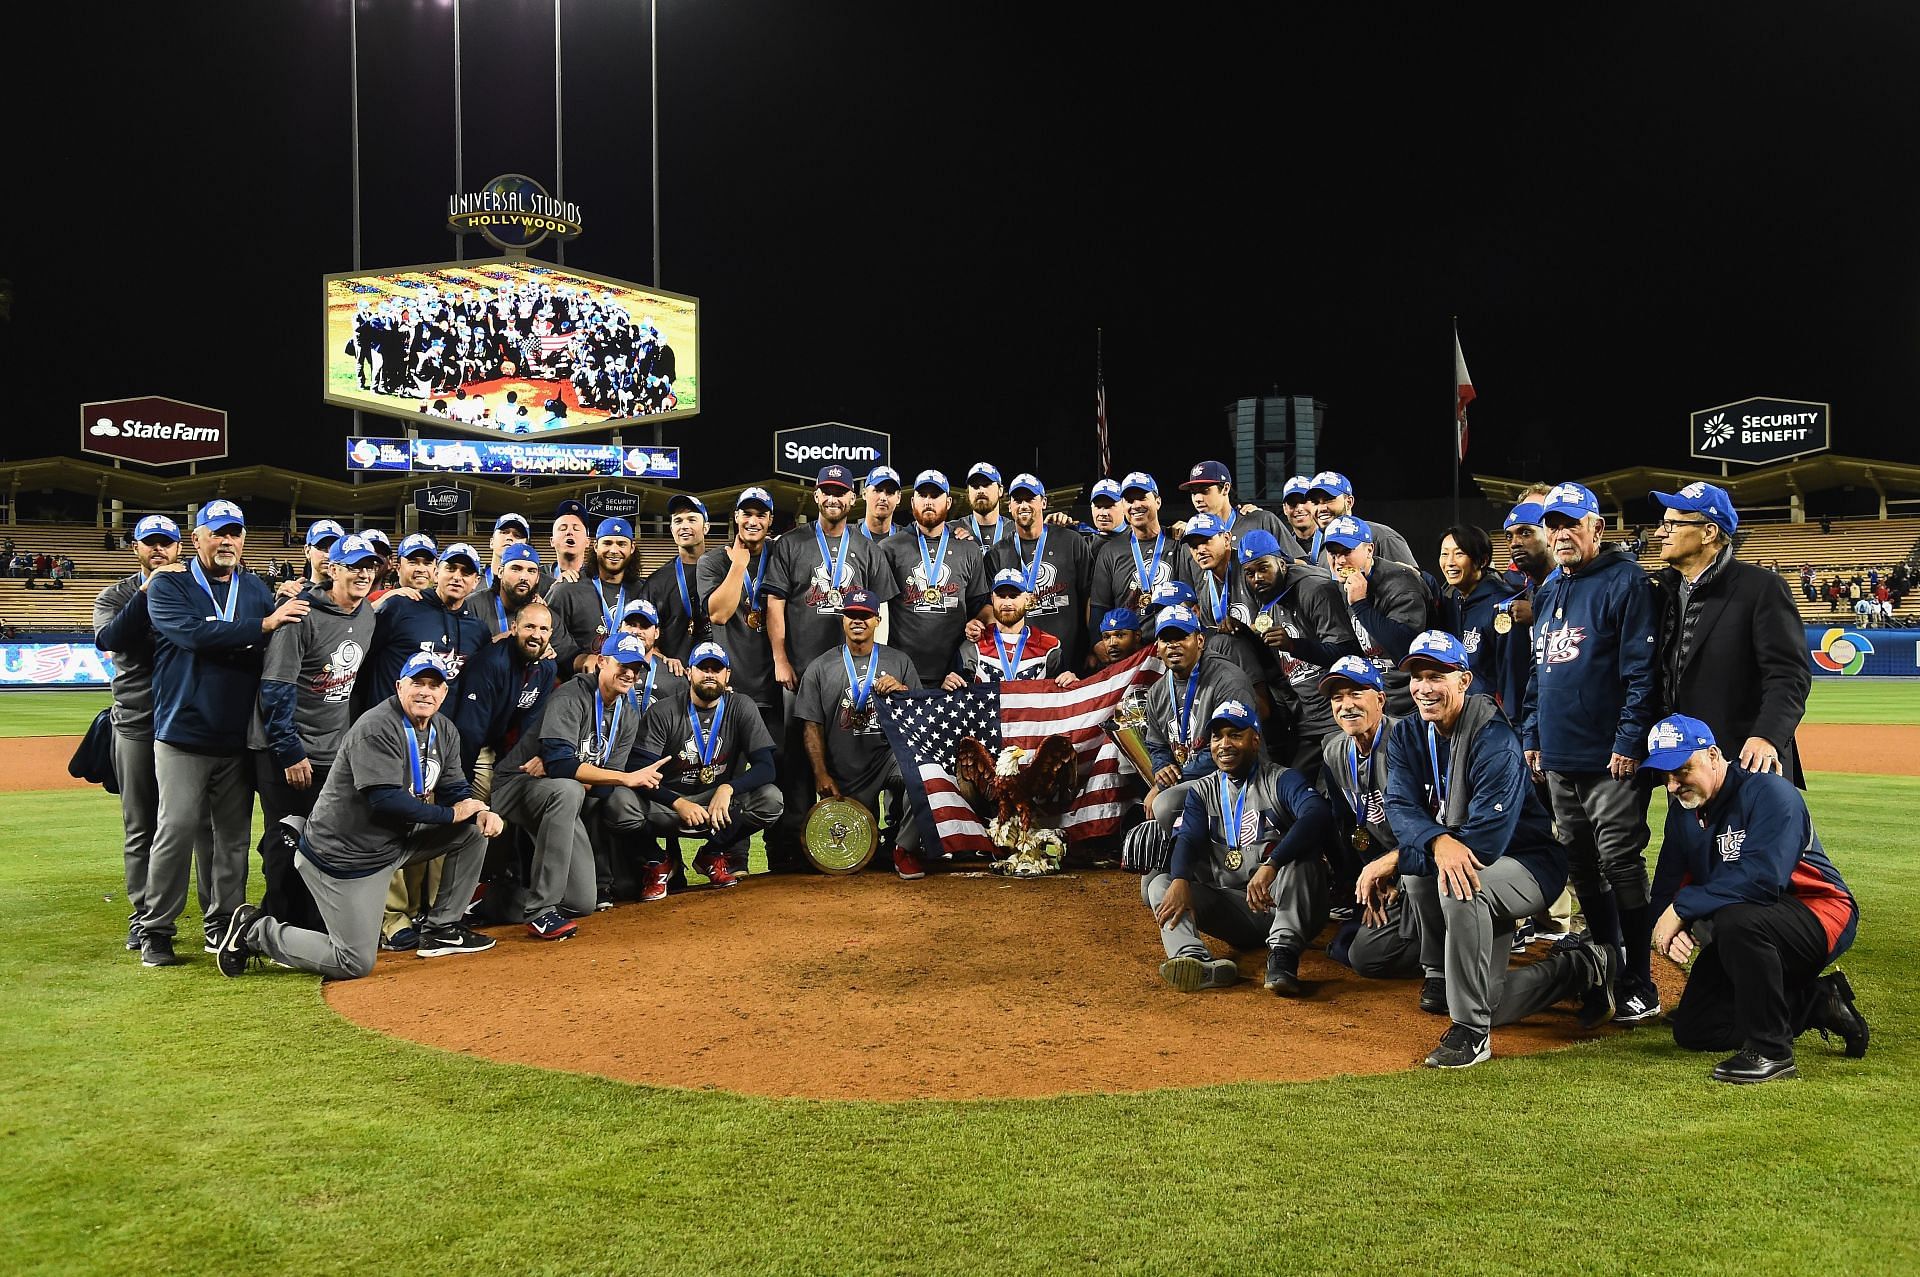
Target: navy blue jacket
{"points": [[499, 694], [1594, 688], [403, 626], [206, 672], [1500, 662]]}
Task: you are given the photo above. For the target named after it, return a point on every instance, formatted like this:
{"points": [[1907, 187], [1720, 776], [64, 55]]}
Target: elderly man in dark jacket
{"points": [[1732, 646]]}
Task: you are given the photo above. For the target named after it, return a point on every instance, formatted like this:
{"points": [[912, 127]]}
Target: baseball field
{"points": [[173, 1121]]}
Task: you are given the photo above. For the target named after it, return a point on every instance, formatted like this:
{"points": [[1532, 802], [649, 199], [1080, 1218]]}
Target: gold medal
{"points": [[932, 596], [756, 619], [1180, 753], [1262, 623], [1502, 622], [1361, 841], [1233, 858], [835, 599]]}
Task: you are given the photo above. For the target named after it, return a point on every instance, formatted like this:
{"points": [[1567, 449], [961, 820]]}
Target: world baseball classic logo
{"points": [[1842, 651]]}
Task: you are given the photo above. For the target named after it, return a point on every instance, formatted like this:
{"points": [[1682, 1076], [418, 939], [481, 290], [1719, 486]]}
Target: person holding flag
{"points": [[1012, 648]]}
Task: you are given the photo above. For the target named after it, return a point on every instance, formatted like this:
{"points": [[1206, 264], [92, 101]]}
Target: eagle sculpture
{"points": [[1022, 784]]}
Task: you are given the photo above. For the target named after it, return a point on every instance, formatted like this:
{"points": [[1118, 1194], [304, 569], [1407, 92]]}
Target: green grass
{"points": [[176, 1122], [1836, 700], [50, 713]]}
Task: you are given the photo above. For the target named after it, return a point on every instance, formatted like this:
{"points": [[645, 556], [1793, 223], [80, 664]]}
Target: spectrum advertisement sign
{"points": [[511, 458], [54, 665]]}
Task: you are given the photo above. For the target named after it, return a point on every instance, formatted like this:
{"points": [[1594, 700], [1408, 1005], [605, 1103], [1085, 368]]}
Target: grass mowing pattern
{"points": [[173, 1121], [50, 713]]}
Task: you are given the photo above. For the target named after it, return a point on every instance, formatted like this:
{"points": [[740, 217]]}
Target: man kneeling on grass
{"points": [[396, 796]]}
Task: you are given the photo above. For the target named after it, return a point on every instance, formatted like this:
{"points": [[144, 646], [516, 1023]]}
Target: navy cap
{"points": [[1010, 576], [323, 530], [1026, 483], [1258, 544], [754, 496], [461, 550], [860, 600], [216, 515], [511, 519], [1436, 647], [1107, 488], [1525, 515], [983, 468], [1170, 593], [1703, 498], [1234, 714], [156, 525], [1120, 618], [930, 479], [1204, 527], [642, 610], [1207, 472], [686, 501], [1178, 617], [424, 663], [419, 543], [834, 477], [1675, 739], [708, 652], [352, 551], [613, 528], [1570, 499], [1353, 669], [625, 648], [520, 552], [570, 507], [1138, 481], [1347, 532], [1298, 486], [882, 474], [1331, 482]]}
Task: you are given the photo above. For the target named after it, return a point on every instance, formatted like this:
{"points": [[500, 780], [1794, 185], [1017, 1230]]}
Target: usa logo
{"points": [[1196, 471], [1729, 843], [1472, 641], [1562, 645], [1694, 491]]}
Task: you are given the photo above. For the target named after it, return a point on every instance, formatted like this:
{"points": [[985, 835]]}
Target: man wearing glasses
{"points": [[1731, 641]]}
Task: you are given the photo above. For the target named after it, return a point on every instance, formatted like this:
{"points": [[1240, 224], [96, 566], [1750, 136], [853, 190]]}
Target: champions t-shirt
{"points": [[669, 734]]}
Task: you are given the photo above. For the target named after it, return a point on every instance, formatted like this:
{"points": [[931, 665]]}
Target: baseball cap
{"points": [[378, 540], [984, 468], [424, 663], [686, 501], [1010, 576], [221, 514], [860, 600], [1525, 515], [1171, 594], [1120, 618], [834, 477], [1347, 532], [1570, 499], [418, 543], [754, 496], [1353, 669], [1235, 713], [1203, 527], [882, 474], [1331, 482], [461, 550], [1702, 498], [1138, 481], [1207, 472], [351, 551], [511, 519], [520, 552], [709, 652], [930, 479], [1675, 739], [641, 609], [323, 530], [625, 648], [1257, 544], [1026, 483], [1436, 647], [570, 507], [1109, 489], [1178, 617], [613, 528], [156, 525], [1298, 486]]}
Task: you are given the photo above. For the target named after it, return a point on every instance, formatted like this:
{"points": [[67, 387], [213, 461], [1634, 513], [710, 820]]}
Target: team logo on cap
{"points": [[1232, 707], [1137, 479], [1195, 473], [1179, 612], [1694, 491], [1433, 641], [1352, 667], [1664, 736], [1568, 494], [631, 643], [1345, 526]]}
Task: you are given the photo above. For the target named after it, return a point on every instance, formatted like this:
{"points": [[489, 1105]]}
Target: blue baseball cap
{"points": [[1026, 483], [215, 515], [613, 528], [834, 477], [1331, 482], [461, 550], [986, 468], [882, 474], [625, 648], [1178, 617], [708, 652], [1138, 481], [1702, 498], [932, 479], [322, 533], [511, 519], [352, 551], [1298, 486], [754, 496], [1258, 544], [520, 552], [1436, 647], [419, 543], [1207, 472], [1355, 670], [378, 539], [1204, 527], [1171, 594], [860, 600], [156, 525], [1120, 618], [570, 507], [1010, 576], [1233, 713], [1525, 515], [425, 663], [1347, 532], [686, 501], [1570, 499], [1675, 739], [642, 609], [1106, 488]]}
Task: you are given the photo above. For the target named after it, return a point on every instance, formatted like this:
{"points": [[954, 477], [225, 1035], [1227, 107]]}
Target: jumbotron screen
{"points": [[510, 346]]}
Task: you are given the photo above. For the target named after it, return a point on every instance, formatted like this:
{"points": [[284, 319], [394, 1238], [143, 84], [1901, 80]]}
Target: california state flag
{"points": [[1462, 396]]}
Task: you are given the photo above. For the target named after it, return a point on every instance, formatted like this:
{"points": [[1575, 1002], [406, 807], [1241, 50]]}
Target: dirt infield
{"points": [[957, 987], [36, 762]]}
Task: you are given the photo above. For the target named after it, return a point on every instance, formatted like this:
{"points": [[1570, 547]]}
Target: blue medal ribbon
{"points": [[932, 567], [861, 692], [1354, 800], [611, 619], [1030, 571], [1221, 598], [643, 698], [415, 766], [223, 610], [1011, 668], [1186, 708], [709, 743], [1439, 786], [500, 610], [1144, 572], [1232, 816], [753, 582], [998, 524], [686, 600], [835, 567], [603, 739]]}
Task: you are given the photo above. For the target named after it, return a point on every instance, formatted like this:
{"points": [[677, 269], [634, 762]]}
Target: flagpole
{"points": [[1456, 428]]}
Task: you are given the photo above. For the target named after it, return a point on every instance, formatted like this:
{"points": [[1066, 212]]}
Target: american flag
{"points": [[1462, 396], [1100, 424], [925, 727]]}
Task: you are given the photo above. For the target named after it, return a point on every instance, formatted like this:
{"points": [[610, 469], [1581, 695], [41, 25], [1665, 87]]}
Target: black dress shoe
{"points": [[1746, 1066], [1433, 995], [1834, 1012]]}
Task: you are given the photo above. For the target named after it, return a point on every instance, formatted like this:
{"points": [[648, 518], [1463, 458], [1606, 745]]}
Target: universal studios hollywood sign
{"points": [[1754, 432]]}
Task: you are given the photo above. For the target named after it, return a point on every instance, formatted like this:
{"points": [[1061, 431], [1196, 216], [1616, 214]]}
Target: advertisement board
{"points": [[153, 431], [513, 458], [1837, 651], [1754, 432], [801, 451], [509, 346], [54, 665], [611, 503], [442, 500]]}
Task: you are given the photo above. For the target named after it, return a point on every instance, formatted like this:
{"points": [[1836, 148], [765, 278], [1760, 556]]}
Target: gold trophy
{"points": [[1128, 728]]}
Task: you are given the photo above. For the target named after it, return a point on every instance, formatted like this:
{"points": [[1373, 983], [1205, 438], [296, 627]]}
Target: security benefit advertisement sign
{"points": [[1754, 432], [511, 458]]}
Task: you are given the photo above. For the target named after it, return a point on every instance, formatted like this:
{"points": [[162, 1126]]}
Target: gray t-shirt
{"points": [[347, 837], [930, 629], [857, 750], [581, 612], [132, 659], [1060, 583], [319, 658], [668, 733], [799, 575], [568, 716], [744, 641], [1184, 735]]}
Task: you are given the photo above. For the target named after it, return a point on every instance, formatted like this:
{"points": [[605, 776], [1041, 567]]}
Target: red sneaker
{"points": [[715, 869], [654, 883], [908, 865]]}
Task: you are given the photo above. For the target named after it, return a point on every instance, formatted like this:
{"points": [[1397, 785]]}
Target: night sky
{"points": [[914, 217]]}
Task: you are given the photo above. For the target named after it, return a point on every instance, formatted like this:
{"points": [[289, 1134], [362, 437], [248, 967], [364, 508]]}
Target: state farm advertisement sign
{"points": [[153, 431]]}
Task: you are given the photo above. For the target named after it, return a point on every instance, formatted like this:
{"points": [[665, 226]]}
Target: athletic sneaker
{"points": [[402, 940], [907, 864], [1433, 995], [214, 935], [1283, 974], [1522, 937], [234, 951], [1635, 1001], [1460, 1048], [1597, 1003], [133, 937], [1570, 942], [439, 942], [1190, 974], [603, 904], [715, 869], [653, 881], [157, 951], [548, 924]]}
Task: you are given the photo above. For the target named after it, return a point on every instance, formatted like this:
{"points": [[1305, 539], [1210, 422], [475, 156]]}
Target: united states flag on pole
{"points": [[1462, 396], [1100, 425], [925, 727]]}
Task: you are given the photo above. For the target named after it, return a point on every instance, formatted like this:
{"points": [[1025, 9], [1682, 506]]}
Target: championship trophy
{"points": [[840, 836], [1128, 730]]}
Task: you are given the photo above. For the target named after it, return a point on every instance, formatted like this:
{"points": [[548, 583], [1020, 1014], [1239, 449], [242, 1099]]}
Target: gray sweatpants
{"points": [[353, 907], [1299, 911], [195, 789], [1391, 951], [550, 809], [1473, 940], [748, 814], [1603, 821], [140, 813], [1170, 802]]}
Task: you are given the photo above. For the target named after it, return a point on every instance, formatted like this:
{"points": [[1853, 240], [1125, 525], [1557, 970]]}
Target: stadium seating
{"points": [[1854, 546]]}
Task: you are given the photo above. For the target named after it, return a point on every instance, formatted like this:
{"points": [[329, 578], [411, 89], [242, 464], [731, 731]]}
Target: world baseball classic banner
{"points": [[1844, 651]]}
